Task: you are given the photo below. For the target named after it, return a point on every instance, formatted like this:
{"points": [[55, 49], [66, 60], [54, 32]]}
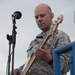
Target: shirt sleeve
{"points": [[64, 58]]}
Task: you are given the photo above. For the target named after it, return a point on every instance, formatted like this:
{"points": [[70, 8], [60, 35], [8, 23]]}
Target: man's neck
{"points": [[44, 31]]}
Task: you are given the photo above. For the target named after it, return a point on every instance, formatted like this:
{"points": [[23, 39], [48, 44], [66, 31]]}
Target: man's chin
{"points": [[44, 30]]}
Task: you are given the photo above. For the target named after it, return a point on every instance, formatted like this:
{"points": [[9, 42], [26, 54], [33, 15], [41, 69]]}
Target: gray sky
{"points": [[26, 26]]}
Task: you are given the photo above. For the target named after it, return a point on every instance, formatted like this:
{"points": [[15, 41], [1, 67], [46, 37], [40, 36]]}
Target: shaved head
{"points": [[48, 8], [43, 16]]}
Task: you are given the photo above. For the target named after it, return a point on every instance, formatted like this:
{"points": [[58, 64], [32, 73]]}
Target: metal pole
{"points": [[56, 55]]}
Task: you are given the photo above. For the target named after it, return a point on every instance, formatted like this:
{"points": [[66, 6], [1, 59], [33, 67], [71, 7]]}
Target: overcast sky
{"points": [[26, 26]]}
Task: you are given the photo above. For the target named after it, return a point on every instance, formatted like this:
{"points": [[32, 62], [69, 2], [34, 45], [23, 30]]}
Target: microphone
{"points": [[17, 15]]}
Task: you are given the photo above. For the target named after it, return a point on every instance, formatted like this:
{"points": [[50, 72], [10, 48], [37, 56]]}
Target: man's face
{"points": [[43, 18]]}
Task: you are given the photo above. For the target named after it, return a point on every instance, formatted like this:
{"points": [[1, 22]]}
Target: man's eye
{"points": [[36, 17], [42, 15]]}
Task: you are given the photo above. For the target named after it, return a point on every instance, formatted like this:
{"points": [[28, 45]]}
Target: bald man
{"points": [[43, 64]]}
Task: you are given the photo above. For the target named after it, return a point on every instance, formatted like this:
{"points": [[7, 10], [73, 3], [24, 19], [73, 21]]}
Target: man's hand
{"points": [[43, 54]]}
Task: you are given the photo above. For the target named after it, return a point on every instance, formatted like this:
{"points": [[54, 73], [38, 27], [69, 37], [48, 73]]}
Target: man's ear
{"points": [[52, 15]]}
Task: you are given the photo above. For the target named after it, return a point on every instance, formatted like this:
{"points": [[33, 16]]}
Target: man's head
{"points": [[43, 16]]}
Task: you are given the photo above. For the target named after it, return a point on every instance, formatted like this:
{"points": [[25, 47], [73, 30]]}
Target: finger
{"points": [[44, 48]]}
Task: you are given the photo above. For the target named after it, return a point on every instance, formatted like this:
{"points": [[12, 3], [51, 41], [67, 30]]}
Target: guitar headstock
{"points": [[59, 19], [54, 26]]}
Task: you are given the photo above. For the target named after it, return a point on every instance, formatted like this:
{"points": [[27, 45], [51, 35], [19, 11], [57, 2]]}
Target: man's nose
{"points": [[39, 19]]}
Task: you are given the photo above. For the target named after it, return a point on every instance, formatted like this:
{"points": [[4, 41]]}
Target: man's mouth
{"points": [[41, 24]]}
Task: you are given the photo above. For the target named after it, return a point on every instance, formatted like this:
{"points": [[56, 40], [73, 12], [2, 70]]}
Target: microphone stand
{"points": [[13, 41], [9, 56]]}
